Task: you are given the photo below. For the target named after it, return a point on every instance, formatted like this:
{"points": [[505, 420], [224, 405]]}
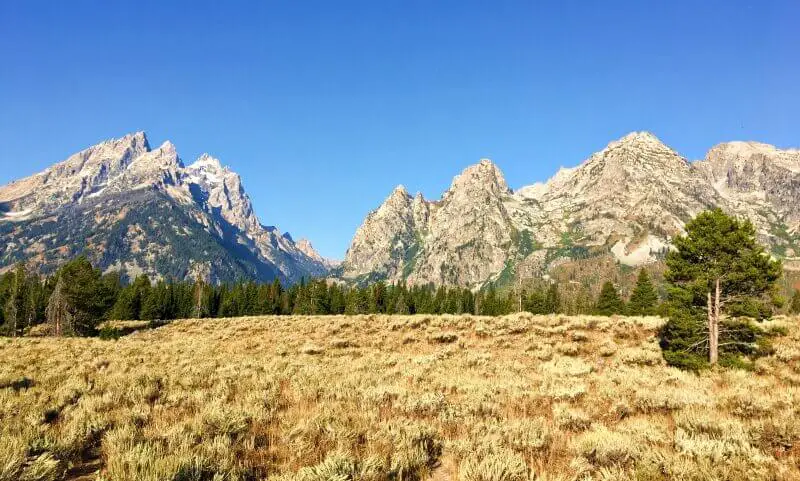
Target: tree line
{"points": [[78, 297]]}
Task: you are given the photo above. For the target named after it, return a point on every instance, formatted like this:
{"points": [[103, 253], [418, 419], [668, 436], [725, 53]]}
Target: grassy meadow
{"points": [[402, 398]]}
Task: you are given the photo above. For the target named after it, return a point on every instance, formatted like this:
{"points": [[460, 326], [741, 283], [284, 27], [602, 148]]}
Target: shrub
{"points": [[602, 447], [444, 338], [501, 466]]}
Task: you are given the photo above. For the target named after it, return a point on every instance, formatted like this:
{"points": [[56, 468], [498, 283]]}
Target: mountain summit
{"points": [[624, 202], [138, 209]]}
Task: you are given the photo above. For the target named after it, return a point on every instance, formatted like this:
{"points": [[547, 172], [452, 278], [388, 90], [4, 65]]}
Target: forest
{"points": [[78, 297]]}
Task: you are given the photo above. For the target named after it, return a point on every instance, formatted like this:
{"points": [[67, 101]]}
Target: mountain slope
{"points": [[140, 209], [625, 202]]}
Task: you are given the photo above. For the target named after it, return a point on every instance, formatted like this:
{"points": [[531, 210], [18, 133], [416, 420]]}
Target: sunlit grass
{"points": [[374, 398]]}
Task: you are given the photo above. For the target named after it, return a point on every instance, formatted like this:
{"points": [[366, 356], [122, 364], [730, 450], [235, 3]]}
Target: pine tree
{"points": [[644, 298], [794, 306], [608, 302], [123, 309], [489, 305], [6, 285], [156, 304], [552, 299], [717, 271], [16, 307], [58, 312], [401, 306]]}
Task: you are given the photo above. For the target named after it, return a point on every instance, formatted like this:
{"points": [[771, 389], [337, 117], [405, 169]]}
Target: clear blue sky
{"points": [[324, 107]]}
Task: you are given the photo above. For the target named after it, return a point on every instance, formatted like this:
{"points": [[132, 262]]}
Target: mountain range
{"points": [[131, 207], [624, 203], [141, 210]]}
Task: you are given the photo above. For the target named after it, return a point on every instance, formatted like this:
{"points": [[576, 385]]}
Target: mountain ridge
{"points": [[98, 188], [625, 201]]}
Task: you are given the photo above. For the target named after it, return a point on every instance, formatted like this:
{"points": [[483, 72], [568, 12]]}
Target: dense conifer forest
{"points": [[78, 297]]}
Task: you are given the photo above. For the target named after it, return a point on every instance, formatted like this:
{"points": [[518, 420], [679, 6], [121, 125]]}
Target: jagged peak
{"points": [[163, 157], [641, 140], [399, 196], [206, 160], [134, 140], [400, 190], [640, 148], [484, 173], [640, 136], [167, 146]]}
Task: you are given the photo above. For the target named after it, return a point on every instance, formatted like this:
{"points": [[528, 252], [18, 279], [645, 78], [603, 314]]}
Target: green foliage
{"points": [[109, 333], [717, 248], [644, 299], [87, 294], [609, 302], [794, 305], [686, 360], [527, 244], [543, 301]]}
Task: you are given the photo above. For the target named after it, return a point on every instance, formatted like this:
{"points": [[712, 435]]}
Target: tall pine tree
{"points": [[608, 302], [644, 298], [717, 271]]}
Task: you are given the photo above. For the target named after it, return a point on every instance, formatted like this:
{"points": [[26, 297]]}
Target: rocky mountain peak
{"points": [[639, 137], [304, 246], [639, 148], [483, 176], [400, 191], [134, 141], [397, 200], [122, 187], [206, 162]]}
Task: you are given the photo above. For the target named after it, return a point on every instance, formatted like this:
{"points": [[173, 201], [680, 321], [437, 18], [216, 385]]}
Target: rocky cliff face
{"points": [[139, 209], [626, 201], [762, 183]]}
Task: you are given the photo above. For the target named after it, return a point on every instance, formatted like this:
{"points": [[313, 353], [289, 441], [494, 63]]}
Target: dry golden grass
{"points": [[373, 398]]}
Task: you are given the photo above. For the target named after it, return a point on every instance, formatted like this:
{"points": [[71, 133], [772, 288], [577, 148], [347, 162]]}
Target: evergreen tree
{"points": [[337, 300], [552, 299], [717, 271], [794, 306], [16, 307], [6, 285], [644, 298], [82, 299], [59, 311], [608, 302], [156, 303], [401, 306], [123, 307], [489, 305], [36, 301]]}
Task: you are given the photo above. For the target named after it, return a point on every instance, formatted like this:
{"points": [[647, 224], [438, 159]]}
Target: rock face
{"points": [[626, 201], [139, 209]]}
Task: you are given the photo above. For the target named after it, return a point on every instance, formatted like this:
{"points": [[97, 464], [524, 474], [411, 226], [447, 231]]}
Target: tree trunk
{"points": [[713, 325]]}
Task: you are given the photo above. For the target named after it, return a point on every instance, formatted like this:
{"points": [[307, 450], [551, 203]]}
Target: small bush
{"points": [[444, 338], [602, 447], [501, 466], [108, 333]]}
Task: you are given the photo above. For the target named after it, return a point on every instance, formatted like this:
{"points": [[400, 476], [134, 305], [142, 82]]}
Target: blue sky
{"points": [[323, 107]]}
